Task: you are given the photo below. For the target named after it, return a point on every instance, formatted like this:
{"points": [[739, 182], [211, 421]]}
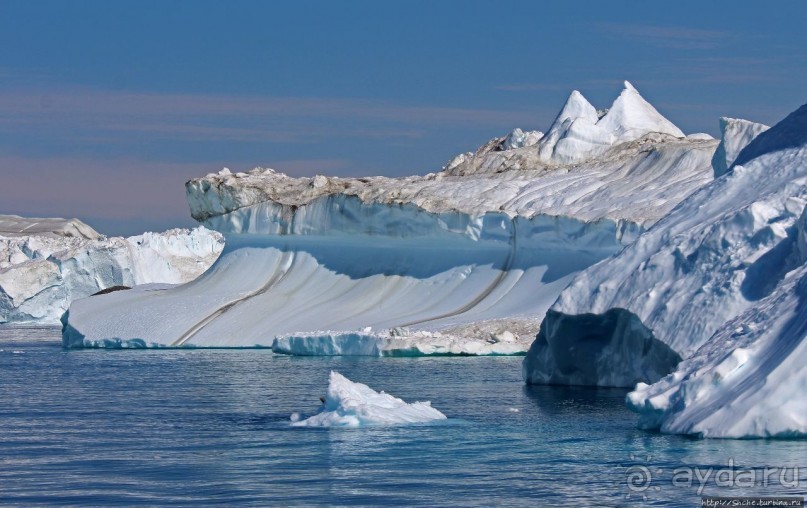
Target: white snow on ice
{"points": [[46, 266], [349, 404], [721, 281]]}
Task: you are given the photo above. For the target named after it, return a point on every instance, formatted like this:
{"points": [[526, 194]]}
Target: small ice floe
{"points": [[349, 404]]}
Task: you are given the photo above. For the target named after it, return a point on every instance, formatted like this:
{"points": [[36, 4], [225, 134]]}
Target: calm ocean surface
{"points": [[195, 427]]}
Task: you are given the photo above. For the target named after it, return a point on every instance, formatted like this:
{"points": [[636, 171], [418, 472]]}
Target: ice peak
{"points": [[580, 131], [576, 106], [631, 117]]}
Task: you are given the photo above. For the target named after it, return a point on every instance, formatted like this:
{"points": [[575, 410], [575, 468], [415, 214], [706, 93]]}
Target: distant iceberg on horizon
{"points": [[46, 263]]}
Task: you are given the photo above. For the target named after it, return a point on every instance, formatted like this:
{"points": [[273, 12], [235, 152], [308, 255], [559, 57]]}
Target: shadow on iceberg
{"points": [[766, 273], [610, 349], [789, 133], [562, 244]]}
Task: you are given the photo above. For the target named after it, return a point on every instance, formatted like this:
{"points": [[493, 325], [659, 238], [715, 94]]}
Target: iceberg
{"points": [[45, 264], [349, 404], [456, 257], [720, 282], [14, 226]]}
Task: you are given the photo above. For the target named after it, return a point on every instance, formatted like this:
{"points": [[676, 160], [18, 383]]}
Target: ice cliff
{"points": [[736, 134], [463, 260], [718, 283], [45, 264]]}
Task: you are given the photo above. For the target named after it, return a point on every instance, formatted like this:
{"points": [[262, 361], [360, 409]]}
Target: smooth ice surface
{"points": [[43, 271], [719, 281], [479, 249], [267, 286], [349, 404]]}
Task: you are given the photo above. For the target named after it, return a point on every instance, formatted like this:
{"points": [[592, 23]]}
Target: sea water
{"points": [[196, 427]]}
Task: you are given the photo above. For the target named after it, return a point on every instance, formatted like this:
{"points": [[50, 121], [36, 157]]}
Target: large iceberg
{"points": [[45, 264], [720, 283], [477, 251], [349, 404]]}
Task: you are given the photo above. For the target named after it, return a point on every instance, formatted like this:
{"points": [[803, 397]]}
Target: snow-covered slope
{"points": [[720, 252], [748, 380], [349, 404], [41, 273], [477, 250]]}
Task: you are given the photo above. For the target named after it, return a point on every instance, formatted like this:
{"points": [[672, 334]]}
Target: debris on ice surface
{"points": [[635, 165], [349, 404], [392, 343], [520, 139], [13, 226]]}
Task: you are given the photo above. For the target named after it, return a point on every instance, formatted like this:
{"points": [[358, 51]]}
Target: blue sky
{"points": [[107, 108]]}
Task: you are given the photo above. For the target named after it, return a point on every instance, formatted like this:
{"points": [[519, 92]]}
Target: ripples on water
{"points": [[194, 427]]}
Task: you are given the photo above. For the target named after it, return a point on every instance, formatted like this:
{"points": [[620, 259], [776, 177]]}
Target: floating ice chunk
{"points": [[349, 404]]}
